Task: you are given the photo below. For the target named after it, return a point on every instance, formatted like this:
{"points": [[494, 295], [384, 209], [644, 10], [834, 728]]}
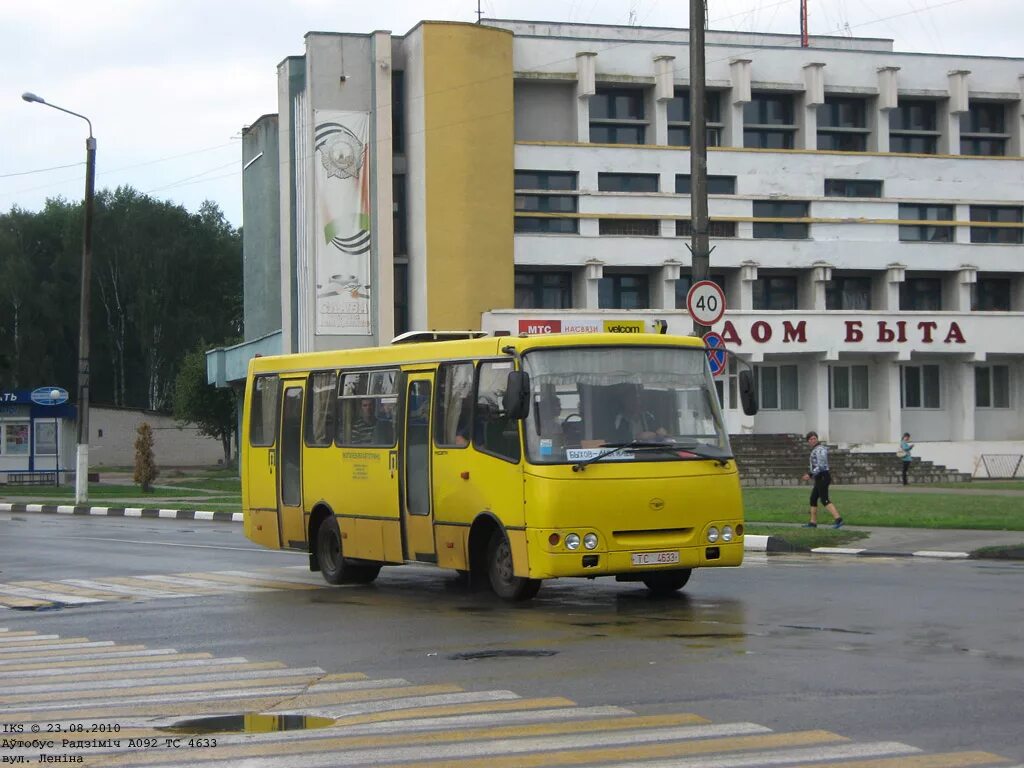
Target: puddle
{"points": [[828, 629], [40, 608], [251, 723], [500, 654]]}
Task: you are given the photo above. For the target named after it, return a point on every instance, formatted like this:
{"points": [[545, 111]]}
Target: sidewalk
{"points": [[881, 542]]}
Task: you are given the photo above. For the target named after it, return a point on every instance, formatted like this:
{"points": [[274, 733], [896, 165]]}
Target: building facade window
{"points": [[627, 182], [717, 185], [768, 121], [990, 294], [926, 232], [543, 290], [629, 227], [775, 292], [778, 387], [621, 291], [617, 116], [14, 438], [786, 230], [919, 386], [685, 282], [853, 188], [848, 387], [848, 292], [401, 298], [398, 220], [398, 112], [842, 124], [997, 214], [913, 127], [679, 118], [921, 294], [983, 129], [544, 192], [992, 386], [684, 228]]}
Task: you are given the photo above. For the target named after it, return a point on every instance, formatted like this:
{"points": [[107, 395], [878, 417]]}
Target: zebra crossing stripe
{"points": [[72, 684], [49, 597], [65, 588], [116, 664], [136, 590], [22, 602], [15, 637], [254, 581], [58, 655]]}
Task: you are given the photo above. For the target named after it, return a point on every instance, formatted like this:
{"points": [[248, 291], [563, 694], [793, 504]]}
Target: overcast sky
{"points": [[169, 85]]}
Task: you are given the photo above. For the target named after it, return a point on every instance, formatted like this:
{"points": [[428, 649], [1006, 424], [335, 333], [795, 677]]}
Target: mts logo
{"points": [[538, 327]]}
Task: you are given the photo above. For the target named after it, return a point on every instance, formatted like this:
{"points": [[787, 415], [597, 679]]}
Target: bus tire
{"points": [[662, 583], [360, 574], [504, 582], [328, 551]]}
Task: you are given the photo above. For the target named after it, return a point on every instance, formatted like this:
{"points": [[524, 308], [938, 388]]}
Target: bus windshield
{"points": [[587, 400]]}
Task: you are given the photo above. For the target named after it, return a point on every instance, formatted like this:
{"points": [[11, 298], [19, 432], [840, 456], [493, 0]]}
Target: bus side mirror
{"points": [[748, 396], [516, 400]]}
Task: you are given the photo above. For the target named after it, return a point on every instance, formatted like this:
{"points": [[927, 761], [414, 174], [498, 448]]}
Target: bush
{"points": [[145, 466]]}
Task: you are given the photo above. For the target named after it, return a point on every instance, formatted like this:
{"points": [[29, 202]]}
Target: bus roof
{"points": [[432, 351]]}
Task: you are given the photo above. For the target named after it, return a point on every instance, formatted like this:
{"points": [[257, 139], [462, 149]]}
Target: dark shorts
{"points": [[822, 481]]}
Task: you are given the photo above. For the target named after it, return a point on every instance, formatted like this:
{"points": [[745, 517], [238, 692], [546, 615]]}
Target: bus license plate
{"points": [[655, 558]]}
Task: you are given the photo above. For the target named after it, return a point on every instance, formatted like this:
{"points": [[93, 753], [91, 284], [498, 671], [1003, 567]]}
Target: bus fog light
{"points": [[727, 533], [572, 542], [712, 534], [553, 539], [590, 541]]}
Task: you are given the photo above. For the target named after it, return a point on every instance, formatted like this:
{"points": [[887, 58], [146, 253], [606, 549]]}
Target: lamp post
{"points": [[82, 451]]}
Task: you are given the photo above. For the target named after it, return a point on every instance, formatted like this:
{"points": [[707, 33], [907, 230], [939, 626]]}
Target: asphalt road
{"points": [[928, 654]]}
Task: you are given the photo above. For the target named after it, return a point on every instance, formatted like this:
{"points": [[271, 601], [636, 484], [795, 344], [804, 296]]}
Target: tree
{"points": [[145, 466], [212, 410]]}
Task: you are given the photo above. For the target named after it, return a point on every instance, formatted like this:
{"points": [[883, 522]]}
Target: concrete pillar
{"points": [[739, 70], [819, 406], [885, 399], [888, 99], [820, 276], [586, 84], [664, 91], [663, 292], [960, 377], [814, 96], [895, 274], [593, 271], [959, 103], [966, 277], [748, 276]]}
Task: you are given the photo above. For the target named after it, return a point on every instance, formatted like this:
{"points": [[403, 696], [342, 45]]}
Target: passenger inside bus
{"points": [[365, 422], [633, 421]]}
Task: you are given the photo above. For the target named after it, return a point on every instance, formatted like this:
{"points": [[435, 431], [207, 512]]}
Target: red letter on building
{"points": [[761, 331], [885, 333], [792, 332], [926, 331], [729, 335], [955, 334], [853, 332]]}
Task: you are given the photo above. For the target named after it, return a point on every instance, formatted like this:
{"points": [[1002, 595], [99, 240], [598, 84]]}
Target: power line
{"points": [[38, 170]]}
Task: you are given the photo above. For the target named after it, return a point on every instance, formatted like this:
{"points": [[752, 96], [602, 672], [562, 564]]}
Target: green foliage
{"points": [[145, 465], [162, 279], [898, 509], [211, 409]]}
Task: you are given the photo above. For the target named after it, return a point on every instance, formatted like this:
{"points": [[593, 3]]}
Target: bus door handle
{"points": [[271, 460], [392, 462]]}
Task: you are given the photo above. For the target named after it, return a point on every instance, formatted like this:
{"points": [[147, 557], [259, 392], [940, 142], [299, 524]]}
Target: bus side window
{"points": [[320, 408], [263, 411], [494, 432], [453, 427]]}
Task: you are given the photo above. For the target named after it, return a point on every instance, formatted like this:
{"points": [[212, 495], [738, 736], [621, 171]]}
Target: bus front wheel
{"points": [[332, 564], [663, 583], [504, 582]]}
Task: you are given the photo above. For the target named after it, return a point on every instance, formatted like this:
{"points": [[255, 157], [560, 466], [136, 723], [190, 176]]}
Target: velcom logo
{"points": [[623, 326]]}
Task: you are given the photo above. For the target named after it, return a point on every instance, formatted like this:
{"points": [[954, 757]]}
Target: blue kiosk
{"points": [[37, 435]]}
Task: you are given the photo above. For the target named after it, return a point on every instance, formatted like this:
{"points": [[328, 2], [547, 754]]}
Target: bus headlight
{"points": [[572, 542], [712, 534], [590, 541], [727, 533]]}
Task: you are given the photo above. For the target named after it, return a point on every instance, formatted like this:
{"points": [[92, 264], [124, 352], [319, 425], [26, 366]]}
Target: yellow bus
{"points": [[508, 459]]}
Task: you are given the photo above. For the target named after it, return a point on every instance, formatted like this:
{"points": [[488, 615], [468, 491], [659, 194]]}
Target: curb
{"points": [[147, 512], [751, 543]]}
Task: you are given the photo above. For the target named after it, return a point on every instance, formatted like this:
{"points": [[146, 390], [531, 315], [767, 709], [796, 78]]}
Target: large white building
{"points": [[866, 210]]}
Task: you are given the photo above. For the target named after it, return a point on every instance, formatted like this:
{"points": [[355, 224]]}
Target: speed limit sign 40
{"points": [[706, 302]]}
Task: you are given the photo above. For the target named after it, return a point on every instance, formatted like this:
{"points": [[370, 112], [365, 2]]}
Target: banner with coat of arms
{"points": [[342, 220]]}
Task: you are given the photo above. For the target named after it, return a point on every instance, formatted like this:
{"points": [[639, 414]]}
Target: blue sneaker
{"points": [[838, 523]]}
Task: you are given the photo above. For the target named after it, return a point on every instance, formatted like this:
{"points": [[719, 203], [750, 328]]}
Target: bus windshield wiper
{"points": [[691, 447], [616, 447]]}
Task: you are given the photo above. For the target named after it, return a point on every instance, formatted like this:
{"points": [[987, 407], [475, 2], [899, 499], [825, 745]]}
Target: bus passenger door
{"points": [[261, 512], [417, 506], [289, 461]]}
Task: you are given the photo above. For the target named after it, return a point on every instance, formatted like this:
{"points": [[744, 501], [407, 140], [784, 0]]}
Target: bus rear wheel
{"points": [[504, 582], [332, 563], [663, 583]]}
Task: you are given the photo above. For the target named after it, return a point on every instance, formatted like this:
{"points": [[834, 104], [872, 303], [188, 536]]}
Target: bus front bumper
{"points": [[546, 564]]}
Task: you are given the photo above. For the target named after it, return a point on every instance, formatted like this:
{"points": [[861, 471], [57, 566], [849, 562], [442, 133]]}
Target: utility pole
{"points": [[804, 39], [700, 250]]}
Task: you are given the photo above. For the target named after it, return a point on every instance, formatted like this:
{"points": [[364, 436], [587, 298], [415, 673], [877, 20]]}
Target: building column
{"points": [[814, 96], [958, 103], [888, 98], [817, 279], [887, 397], [586, 84], [819, 408], [664, 294], [966, 277], [961, 406], [740, 74], [664, 91], [895, 274], [593, 271], [748, 276]]}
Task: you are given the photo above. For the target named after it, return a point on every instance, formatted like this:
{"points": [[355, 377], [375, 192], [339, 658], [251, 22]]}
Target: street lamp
{"points": [[82, 451]]}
